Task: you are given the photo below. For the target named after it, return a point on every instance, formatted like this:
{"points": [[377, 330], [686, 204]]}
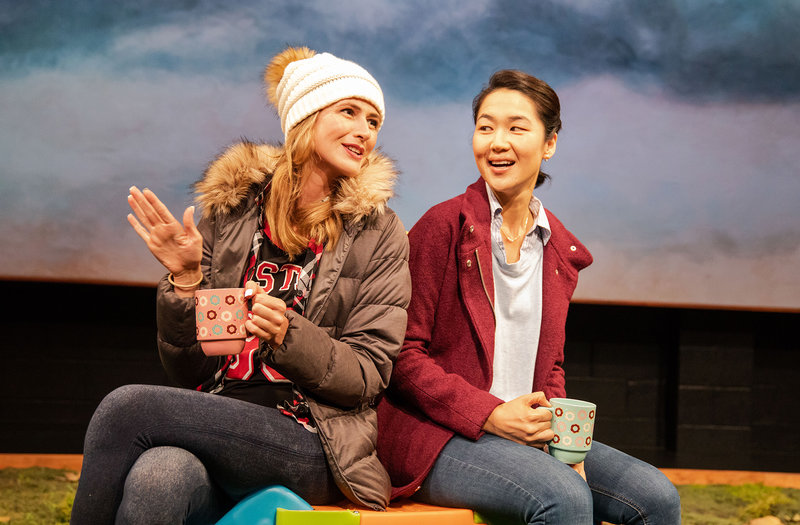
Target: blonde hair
{"points": [[292, 226]]}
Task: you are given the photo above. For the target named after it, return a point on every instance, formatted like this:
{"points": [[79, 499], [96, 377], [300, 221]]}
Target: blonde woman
{"points": [[306, 230]]}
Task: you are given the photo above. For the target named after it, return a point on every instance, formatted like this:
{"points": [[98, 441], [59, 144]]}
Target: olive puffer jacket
{"points": [[341, 353]]}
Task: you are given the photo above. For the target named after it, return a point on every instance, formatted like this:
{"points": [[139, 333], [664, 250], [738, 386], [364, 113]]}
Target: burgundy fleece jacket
{"points": [[441, 380]]}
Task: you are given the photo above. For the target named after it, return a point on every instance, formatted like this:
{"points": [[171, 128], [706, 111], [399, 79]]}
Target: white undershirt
{"points": [[517, 303]]}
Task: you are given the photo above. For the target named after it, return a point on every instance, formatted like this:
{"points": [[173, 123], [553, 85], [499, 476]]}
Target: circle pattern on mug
{"points": [[559, 412], [591, 414], [587, 427], [582, 415], [588, 440], [221, 313], [556, 438], [575, 428], [561, 426], [570, 416], [567, 440]]}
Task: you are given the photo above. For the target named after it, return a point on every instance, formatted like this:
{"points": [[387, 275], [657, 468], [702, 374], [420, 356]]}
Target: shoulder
{"points": [[385, 231], [445, 215], [448, 217], [567, 244]]}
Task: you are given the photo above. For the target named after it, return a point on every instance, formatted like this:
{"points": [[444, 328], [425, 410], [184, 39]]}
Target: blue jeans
{"points": [[511, 483], [156, 454]]}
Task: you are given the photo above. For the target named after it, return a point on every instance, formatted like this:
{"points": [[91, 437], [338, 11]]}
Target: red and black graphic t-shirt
{"points": [[245, 376]]}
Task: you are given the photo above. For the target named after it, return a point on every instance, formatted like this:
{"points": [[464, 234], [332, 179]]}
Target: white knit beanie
{"points": [[314, 83]]}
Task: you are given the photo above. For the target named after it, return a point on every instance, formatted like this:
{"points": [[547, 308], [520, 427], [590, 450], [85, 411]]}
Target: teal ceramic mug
{"points": [[573, 425]]}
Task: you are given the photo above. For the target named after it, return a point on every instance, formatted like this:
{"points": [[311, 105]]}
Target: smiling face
{"points": [[344, 134], [509, 143]]}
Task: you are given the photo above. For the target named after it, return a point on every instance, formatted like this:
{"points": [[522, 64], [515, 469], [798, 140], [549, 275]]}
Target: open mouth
{"points": [[501, 163], [356, 151]]}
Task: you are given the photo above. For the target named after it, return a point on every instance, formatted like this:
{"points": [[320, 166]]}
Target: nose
{"points": [[362, 129], [499, 141]]}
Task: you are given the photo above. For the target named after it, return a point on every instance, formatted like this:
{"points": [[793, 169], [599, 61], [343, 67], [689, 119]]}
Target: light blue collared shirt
{"points": [[517, 303]]}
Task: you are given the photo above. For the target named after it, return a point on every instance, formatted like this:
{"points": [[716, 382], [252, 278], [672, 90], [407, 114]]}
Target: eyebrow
{"points": [[352, 104], [512, 118]]}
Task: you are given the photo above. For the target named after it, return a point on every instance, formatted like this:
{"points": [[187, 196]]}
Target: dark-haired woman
{"points": [[493, 273]]}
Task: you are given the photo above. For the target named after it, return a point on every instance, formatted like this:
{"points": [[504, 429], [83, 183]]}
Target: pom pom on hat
{"points": [[274, 71], [300, 82]]}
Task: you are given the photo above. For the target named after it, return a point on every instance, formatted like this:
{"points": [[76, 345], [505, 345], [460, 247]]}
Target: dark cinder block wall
{"points": [[677, 387], [68, 346], [690, 388], [625, 360]]}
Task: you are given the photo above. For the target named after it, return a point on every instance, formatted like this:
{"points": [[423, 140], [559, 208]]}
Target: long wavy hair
{"points": [[292, 226]]}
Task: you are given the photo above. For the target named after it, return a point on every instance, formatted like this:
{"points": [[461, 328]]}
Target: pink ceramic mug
{"points": [[220, 314]]}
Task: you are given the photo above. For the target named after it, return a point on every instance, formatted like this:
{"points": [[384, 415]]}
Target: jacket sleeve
{"points": [[180, 353], [565, 257], [354, 368], [446, 397]]}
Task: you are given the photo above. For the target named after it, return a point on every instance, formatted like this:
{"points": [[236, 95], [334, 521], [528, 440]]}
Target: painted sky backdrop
{"points": [[677, 165]]}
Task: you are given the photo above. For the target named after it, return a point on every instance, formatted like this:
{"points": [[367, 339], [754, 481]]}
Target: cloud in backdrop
{"points": [[676, 166]]}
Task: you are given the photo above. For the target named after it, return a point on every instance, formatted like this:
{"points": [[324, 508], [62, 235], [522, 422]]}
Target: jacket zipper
{"points": [[483, 283]]}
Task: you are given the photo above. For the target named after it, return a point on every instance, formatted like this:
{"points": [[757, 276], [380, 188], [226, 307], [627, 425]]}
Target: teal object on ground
{"points": [[260, 507]]}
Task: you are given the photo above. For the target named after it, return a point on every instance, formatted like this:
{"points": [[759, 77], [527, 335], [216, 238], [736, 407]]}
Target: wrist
{"points": [[187, 280]]}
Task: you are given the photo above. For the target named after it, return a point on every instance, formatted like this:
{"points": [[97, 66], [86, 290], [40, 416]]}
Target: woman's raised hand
{"points": [[268, 321], [518, 421], [179, 247]]}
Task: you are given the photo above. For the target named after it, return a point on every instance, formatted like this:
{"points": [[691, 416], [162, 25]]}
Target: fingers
{"points": [[162, 212], [143, 233], [268, 307], [188, 220], [536, 398], [271, 327], [541, 437], [268, 320], [135, 201], [262, 299], [541, 414], [142, 208], [148, 208], [251, 288]]}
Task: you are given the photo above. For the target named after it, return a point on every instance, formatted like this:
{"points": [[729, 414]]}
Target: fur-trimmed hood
{"points": [[229, 180]]}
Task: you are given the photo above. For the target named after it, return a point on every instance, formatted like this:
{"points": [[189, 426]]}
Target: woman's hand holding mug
{"points": [[268, 321], [518, 421]]}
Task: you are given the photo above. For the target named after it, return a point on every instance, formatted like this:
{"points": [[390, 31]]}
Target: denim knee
{"points": [[164, 486], [114, 412], [570, 502], [662, 503]]}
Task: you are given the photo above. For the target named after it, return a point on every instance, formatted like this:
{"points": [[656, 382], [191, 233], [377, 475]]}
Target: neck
{"points": [[317, 186], [515, 207]]}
